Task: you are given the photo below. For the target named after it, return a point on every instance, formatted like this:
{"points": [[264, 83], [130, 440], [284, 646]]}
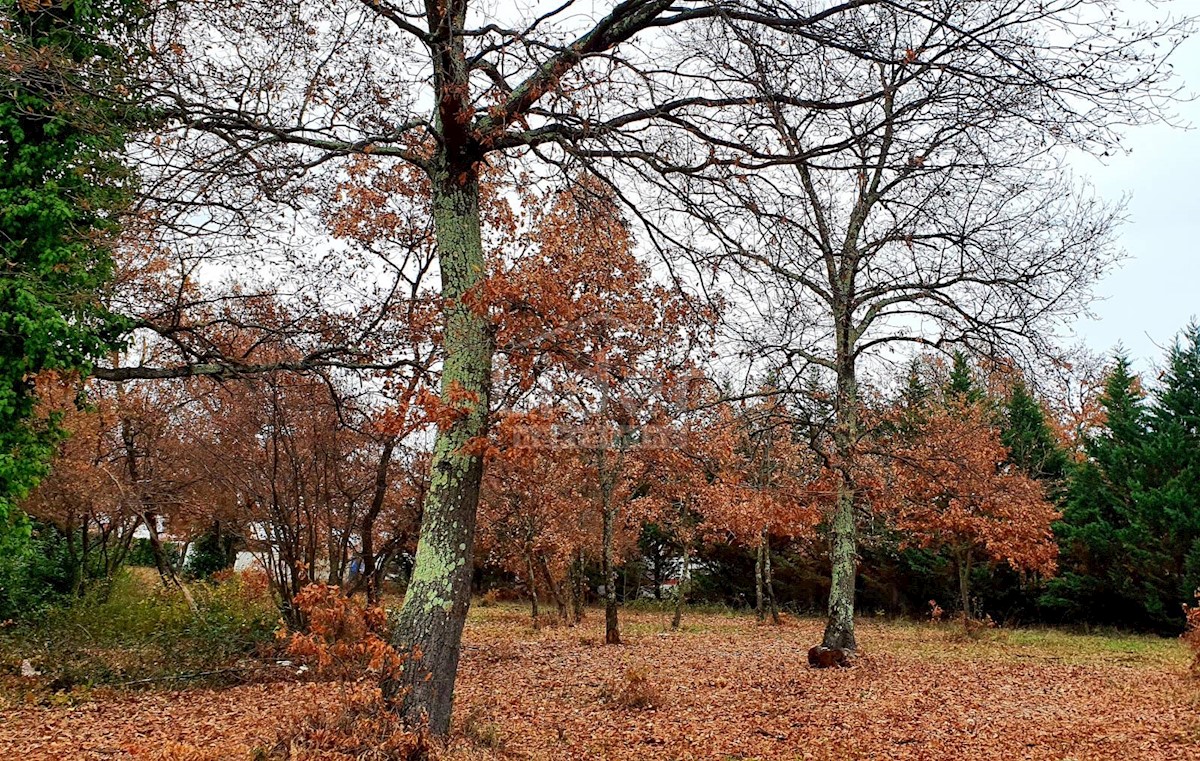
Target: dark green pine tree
{"points": [[893, 573], [62, 186], [962, 386], [912, 404], [1031, 443], [1170, 500], [1108, 553], [215, 550], [1035, 451], [917, 393]]}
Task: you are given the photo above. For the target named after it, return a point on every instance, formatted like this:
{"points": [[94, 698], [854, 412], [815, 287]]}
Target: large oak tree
{"points": [[939, 211], [274, 103]]}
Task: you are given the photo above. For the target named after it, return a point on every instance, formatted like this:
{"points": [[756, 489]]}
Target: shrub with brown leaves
{"points": [[346, 639], [361, 730], [1191, 635], [635, 692]]}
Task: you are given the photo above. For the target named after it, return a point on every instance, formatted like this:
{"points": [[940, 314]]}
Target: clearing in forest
{"points": [[722, 688]]}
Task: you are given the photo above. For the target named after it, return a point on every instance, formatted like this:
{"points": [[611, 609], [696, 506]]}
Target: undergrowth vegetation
{"points": [[132, 629]]}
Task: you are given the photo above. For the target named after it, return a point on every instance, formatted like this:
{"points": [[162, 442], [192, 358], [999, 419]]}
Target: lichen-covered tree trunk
{"points": [[430, 623], [843, 541], [769, 578], [612, 631], [682, 586], [760, 609]]}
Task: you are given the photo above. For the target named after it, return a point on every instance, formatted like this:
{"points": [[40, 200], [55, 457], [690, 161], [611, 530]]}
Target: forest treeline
{"points": [[984, 496]]}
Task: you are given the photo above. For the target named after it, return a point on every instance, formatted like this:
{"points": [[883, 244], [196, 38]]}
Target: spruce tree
{"points": [[1031, 443], [961, 386], [1107, 550], [1169, 503], [914, 398]]}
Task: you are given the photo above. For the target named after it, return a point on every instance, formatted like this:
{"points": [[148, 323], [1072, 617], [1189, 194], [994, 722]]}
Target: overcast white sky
{"points": [[1154, 293]]}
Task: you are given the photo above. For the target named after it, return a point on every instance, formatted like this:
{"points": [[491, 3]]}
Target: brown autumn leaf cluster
{"points": [[1191, 635], [724, 688], [344, 638]]}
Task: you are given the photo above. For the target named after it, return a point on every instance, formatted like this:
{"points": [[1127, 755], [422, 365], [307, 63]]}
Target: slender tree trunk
{"points": [[681, 588], [531, 587], [430, 623], [367, 578], [553, 587], [181, 560], [843, 542], [759, 608], [78, 561], [375, 586], [612, 633], [123, 545], [579, 588], [166, 571], [149, 518], [964, 586], [768, 577], [656, 570]]}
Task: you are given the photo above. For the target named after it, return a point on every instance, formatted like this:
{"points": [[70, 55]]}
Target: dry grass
{"points": [[725, 688], [635, 690]]}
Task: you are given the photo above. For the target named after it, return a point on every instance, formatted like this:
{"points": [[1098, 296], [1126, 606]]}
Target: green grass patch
{"points": [[133, 629]]}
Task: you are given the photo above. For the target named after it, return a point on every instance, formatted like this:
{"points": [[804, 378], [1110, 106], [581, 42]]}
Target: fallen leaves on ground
{"points": [[725, 688]]}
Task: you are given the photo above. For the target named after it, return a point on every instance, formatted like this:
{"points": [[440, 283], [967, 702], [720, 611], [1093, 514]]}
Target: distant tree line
{"points": [[988, 500]]}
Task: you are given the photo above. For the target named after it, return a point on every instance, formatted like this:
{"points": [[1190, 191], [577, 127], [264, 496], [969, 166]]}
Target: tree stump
{"points": [[820, 657]]}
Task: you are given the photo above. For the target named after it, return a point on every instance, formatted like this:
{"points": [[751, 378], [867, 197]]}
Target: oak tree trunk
{"points": [[612, 633], [555, 589], [964, 586], [759, 609], [430, 623], [768, 578], [843, 542], [578, 588], [681, 587], [531, 587]]}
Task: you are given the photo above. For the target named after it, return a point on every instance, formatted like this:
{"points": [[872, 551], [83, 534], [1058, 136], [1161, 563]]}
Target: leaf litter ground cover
{"points": [[723, 688]]}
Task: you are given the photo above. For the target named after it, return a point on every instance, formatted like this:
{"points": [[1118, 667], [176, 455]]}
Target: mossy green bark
{"points": [[429, 628], [843, 539]]}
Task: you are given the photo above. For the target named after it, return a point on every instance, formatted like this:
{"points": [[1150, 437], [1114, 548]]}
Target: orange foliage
{"points": [[1191, 635], [954, 490], [359, 729], [345, 637], [767, 473], [532, 512]]}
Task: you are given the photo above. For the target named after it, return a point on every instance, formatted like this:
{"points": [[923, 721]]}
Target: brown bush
{"points": [[1191, 635], [364, 730], [636, 691], [489, 599], [346, 639]]}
